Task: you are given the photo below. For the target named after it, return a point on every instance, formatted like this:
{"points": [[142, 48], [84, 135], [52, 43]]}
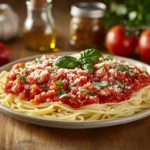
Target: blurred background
{"points": [[132, 15]]}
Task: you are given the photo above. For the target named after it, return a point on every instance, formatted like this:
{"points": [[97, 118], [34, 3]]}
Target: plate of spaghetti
{"points": [[75, 90]]}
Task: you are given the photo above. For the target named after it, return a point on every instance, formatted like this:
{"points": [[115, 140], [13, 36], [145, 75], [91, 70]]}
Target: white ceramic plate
{"points": [[72, 124]]}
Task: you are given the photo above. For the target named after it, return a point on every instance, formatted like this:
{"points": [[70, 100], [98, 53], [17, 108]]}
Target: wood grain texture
{"points": [[17, 135]]}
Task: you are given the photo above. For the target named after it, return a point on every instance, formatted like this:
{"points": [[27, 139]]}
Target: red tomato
{"points": [[144, 45], [4, 53], [118, 43]]}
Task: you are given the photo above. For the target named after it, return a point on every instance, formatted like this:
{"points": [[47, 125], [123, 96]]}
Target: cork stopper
{"points": [[38, 3]]}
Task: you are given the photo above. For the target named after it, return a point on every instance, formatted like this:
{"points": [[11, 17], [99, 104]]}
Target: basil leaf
{"points": [[101, 84], [120, 84], [71, 85], [131, 73], [89, 92], [84, 90], [89, 67], [92, 93], [59, 82], [122, 68], [68, 62], [91, 55], [51, 70], [109, 57], [85, 61], [24, 78], [66, 95], [60, 92]]}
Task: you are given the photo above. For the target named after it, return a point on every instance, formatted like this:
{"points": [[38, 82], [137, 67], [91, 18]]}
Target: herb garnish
{"points": [[93, 93], [66, 95], [68, 62], [60, 92], [51, 70], [122, 68], [101, 84], [131, 73], [86, 60], [59, 82], [23, 78], [120, 84], [109, 57]]}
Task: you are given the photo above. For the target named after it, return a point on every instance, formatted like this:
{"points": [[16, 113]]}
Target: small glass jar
{"points": [[86, 27], [39, 29]]}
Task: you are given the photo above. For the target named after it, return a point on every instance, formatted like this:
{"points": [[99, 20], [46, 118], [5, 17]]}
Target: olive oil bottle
{"points": [[39, 29]]}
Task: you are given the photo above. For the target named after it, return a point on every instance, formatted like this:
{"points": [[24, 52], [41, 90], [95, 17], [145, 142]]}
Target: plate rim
{"points": [[69, 124]]}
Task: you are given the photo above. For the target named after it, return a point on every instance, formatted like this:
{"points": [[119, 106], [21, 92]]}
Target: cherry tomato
{"points": [[118, 43], [144, 45], [4, 53]]}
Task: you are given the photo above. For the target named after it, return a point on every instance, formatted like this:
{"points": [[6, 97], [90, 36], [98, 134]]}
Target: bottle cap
{"points": [[88, 9]]}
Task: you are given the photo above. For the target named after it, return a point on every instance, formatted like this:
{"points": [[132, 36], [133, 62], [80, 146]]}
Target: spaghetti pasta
{"points": [[57, 110]]}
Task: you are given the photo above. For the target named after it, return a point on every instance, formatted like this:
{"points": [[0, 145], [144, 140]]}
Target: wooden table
{"points": [[17, 135]]}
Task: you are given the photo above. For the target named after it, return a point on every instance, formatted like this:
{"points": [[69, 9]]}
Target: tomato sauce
{"points": [[39, 81]]}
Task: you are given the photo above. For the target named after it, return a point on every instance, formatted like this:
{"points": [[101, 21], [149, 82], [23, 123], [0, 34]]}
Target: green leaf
{"points": [[89, 67], [68, 62], [109, 57], [23, 78], [25, 68], [122, 68], [84, 90], [66, 95], [59, 82], [131, 73], [93, 93], [71, 85], [90, 55], [101, 84], [60, 92], [120, 84], [51, 70]]}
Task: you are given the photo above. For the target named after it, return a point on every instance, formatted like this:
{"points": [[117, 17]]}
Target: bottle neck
{"points": [[38, 12]]}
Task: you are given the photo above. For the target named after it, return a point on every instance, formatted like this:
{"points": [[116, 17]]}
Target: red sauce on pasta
{"points": [[39, 81]]}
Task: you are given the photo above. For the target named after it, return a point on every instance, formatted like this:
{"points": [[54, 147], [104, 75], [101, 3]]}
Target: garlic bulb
{"points": [[9, 22]]}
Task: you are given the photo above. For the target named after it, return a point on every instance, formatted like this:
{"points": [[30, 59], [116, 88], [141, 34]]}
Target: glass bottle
{"points": [[39, 29], [86, 27]]}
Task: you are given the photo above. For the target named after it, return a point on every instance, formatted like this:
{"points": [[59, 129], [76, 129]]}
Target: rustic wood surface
{"points": [[17, 135]]}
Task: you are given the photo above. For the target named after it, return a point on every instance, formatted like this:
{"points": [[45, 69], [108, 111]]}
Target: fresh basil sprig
{"points": [[91, 55], [86, 60], [68, 62]]}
